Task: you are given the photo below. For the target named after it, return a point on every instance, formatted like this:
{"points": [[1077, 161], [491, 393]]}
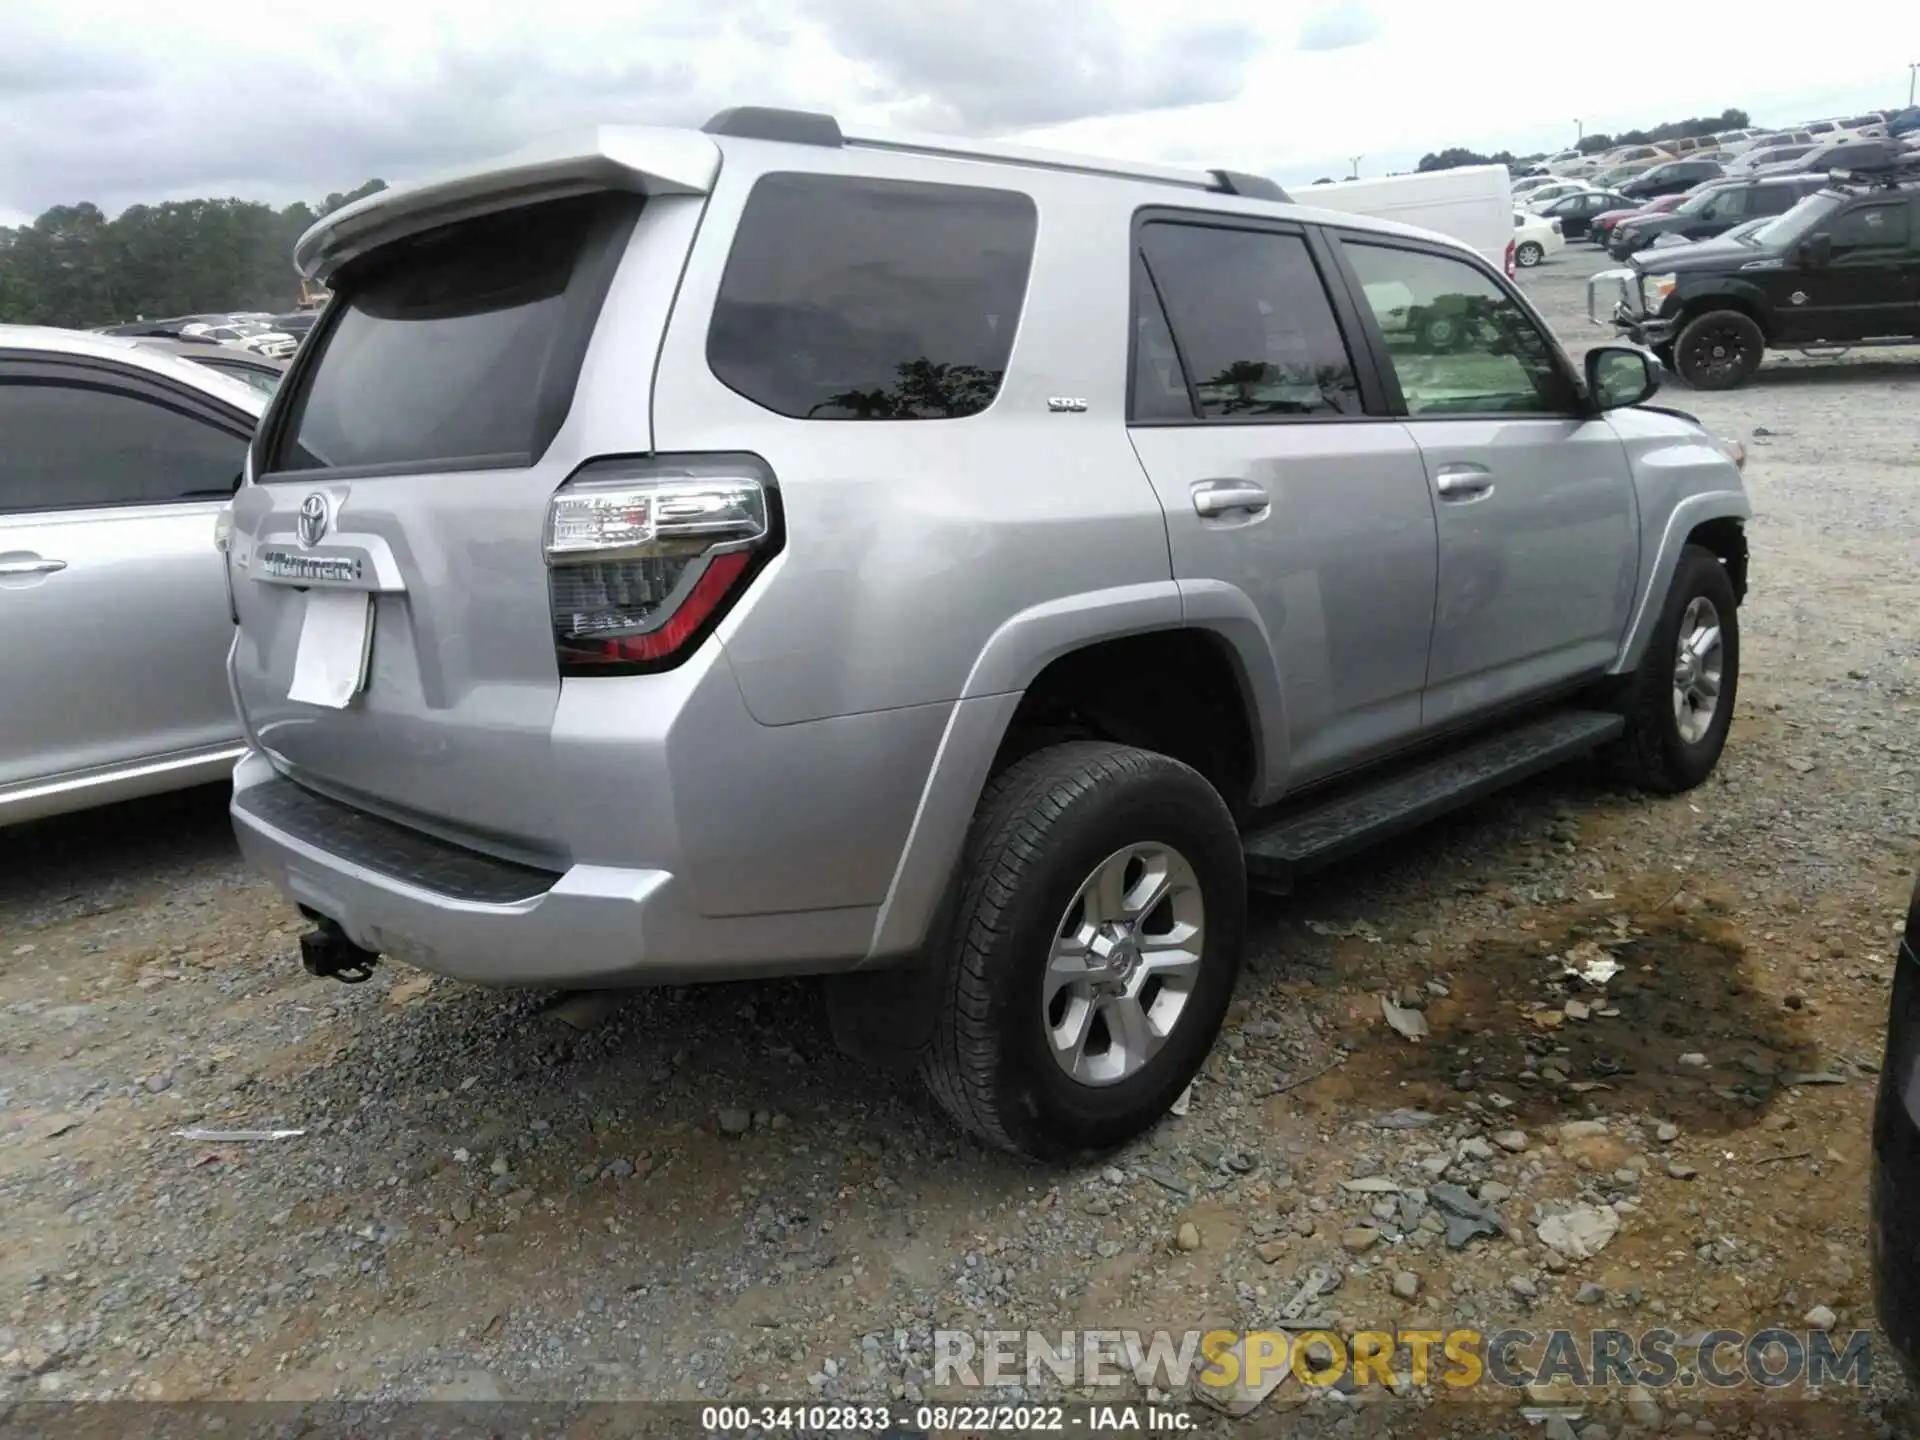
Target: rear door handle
{"points": [[31, 566], [1223, 497], [1463, 482]]}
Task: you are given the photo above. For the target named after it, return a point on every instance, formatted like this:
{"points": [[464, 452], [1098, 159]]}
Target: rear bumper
{"points": [[457, 912], [1893, 1230]]}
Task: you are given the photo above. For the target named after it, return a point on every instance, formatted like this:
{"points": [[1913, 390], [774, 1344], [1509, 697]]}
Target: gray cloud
{"points": [[963, 65], [1339, 26], [95, 114]]}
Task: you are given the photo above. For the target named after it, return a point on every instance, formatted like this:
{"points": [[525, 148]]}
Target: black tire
{"points": [[1529, 254], [1042, 828], [1719, 350], [1653, 753]]}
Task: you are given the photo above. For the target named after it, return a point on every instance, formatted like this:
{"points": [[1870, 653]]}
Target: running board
{"points": [[1376, 809]]}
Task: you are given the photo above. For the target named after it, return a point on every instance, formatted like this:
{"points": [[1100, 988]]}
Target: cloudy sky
{"points": [[120, 101]]}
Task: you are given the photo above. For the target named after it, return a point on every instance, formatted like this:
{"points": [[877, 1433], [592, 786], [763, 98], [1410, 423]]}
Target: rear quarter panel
{"points": [[911, 543]]}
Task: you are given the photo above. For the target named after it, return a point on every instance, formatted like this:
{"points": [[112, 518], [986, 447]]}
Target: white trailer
{"points": [[1472, 204]]}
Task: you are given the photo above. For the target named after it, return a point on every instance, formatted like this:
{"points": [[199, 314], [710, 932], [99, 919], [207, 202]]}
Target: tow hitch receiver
{"points": [[326, 951]]}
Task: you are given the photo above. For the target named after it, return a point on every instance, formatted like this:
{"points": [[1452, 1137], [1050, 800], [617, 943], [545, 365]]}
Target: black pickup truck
{"points": [[1841, 268]]}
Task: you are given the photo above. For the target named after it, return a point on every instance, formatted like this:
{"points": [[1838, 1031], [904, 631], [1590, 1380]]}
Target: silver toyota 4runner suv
{"points": [[770, 550]]}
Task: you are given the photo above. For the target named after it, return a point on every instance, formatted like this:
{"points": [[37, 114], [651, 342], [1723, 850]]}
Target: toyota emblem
{"points": [[314, 517]]}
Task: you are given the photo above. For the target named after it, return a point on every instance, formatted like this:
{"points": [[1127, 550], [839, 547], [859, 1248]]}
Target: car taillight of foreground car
{"points": [[646, 555]]}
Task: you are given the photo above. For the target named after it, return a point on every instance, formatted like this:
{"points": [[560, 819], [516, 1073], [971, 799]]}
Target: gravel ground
{"points": [[700, 1199]]}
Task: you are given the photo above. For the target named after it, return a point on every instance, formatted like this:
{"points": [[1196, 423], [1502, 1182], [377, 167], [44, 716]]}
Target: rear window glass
{"points": [[460, 349], [860, 299]]}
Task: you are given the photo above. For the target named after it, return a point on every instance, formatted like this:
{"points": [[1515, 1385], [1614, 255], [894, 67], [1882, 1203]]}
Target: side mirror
{"points": [[1621, 375], [1816, 251]]}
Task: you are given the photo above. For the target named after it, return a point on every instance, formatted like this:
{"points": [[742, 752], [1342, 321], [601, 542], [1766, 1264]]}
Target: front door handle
{"points": [[1222, 497], [31, 566], [1463, 482]]}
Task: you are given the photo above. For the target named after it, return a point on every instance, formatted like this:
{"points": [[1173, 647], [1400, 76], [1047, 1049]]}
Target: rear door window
{"points": [[1251, 324], [1877, 226], [458, 349], [852, 298], [1729, 204], [73, 446], [1773, 199]]}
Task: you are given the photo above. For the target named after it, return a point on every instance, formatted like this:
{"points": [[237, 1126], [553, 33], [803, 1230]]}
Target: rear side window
{"points": [[76, 447], [1732, 203], [457, 349], [1250, 320], [1881, 225], [1774, 199], [849, 298]]}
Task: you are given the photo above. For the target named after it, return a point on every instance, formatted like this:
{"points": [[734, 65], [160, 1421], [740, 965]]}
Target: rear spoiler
{"points": [[645, 160]]}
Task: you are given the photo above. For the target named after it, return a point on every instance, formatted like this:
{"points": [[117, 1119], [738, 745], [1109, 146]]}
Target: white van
{"points": [[1473, 204]]}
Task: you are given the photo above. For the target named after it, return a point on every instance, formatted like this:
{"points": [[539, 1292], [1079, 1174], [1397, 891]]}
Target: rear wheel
{"points": [[1530, 254], [1439, 334], [1719, 350], [1094, 951]]}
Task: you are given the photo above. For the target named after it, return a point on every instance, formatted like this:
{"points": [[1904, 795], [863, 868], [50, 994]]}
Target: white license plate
{"points": [[336, 642]]}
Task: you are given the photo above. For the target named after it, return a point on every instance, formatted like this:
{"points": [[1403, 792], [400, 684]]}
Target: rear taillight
{"points": [[1509, 259], [645, 555]]}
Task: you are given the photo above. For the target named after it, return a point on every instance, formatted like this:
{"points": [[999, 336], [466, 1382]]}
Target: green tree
{"points": [[1454, 158], [74, 267]]}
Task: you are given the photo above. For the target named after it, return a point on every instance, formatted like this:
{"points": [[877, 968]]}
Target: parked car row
{"points": [[273, 337], [1746, 148], [1712, 210]]}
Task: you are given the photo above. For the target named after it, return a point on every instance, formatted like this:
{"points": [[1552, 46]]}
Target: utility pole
{"points": [[1579, 132], [1354, 160], [1913, 74]]}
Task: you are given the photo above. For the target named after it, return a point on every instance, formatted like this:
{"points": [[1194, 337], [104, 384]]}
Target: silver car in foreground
{"points": [[117, 462], [957, 569]]}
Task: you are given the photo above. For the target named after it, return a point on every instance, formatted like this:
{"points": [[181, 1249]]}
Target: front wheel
{"points": [[1094, 953], [1681, 702], [1719, 350], [1529, 254]]}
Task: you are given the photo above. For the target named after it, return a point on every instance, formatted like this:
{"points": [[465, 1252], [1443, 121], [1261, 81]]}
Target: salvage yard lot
{"points": [[700, 1199]]}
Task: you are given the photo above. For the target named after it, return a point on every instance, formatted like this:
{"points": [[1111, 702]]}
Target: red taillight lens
{"points": [[1509, 259], [645, 556]]}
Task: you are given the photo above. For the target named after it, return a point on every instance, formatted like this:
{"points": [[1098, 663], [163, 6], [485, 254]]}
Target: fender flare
{"points": [[1688, 514], [1010, 661], [1739, 295]]}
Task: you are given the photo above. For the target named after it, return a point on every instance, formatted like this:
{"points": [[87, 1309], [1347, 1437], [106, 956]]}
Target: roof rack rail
{"points": [[809, 127], [1887, 174], [1254, 187], [767, 122]]}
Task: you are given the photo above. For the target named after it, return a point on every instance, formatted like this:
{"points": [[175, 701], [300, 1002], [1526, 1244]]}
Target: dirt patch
{"points": [[1634, 1003]]}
